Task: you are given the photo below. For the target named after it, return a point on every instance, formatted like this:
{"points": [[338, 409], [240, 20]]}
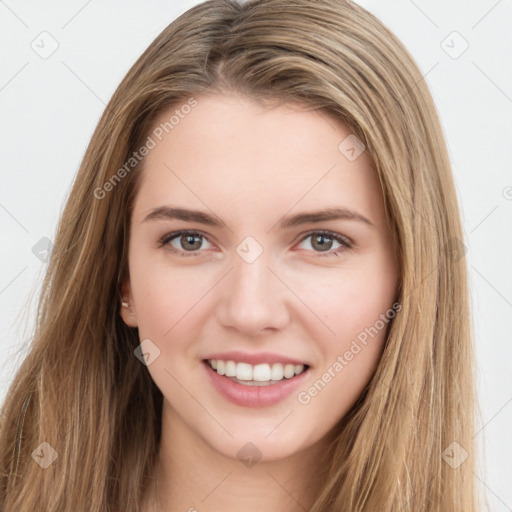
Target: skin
{"points": [[251, 165]]}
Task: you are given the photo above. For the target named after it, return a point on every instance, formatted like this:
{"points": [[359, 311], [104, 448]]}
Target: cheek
{"points": [[347, 299], [358, 313], [171, 314], [165, 295], [356, 306]]}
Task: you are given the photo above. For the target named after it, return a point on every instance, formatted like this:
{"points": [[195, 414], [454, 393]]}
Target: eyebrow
{"points": [[171, 213]]}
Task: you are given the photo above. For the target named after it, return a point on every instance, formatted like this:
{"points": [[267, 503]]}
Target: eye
{"points": [[189, 243], [322, 242], [183, 243]]}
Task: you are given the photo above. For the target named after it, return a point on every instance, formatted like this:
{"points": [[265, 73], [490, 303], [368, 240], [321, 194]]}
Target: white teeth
{"points": [[261, 373], [243, 371], [289, 371], [298, 368], [230, 369], [277, 372]]}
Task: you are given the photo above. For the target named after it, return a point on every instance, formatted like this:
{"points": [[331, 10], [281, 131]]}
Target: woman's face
{"points": [[261, 280]]}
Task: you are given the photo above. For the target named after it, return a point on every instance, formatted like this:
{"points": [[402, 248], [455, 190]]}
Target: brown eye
{"points": [[190, 242], [184, 243], [322, 242]]}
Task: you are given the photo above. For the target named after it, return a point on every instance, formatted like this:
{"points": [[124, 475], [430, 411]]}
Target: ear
{"points": [[127, 311]]}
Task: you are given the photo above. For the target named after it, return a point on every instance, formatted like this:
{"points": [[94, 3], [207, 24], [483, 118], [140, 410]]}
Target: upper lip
{"points": [[256, 358]]}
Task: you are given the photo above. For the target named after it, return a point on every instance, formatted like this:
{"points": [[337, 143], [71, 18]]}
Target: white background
{"points": [[50, 107]]}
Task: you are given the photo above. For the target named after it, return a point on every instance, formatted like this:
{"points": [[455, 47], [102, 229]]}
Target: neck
{"points": [[191, 476]]}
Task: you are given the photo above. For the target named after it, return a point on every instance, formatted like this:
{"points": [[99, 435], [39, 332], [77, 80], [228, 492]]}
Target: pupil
{"points": [[190, 238], [323, 246]]}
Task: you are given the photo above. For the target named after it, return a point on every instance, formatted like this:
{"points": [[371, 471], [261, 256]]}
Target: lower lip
{"points": [[253, 396]]}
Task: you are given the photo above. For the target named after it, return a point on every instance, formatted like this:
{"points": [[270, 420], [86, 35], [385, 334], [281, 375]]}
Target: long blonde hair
{"points": [[81, 389]]}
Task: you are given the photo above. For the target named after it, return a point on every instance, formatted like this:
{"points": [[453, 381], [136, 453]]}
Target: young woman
{"points": [[257, 298]]}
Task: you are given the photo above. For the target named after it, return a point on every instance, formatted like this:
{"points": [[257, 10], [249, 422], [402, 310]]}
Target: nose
{"points": [[253, 299]]}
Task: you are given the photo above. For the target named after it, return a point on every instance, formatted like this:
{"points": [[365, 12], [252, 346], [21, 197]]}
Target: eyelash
{"points": [[345, 242]]}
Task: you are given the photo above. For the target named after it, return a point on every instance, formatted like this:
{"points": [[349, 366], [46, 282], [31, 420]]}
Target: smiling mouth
{"points": [[256, 375]]}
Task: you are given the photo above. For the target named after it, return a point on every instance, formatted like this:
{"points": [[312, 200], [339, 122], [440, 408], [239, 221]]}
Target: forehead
{"points": [[242, 156]]}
